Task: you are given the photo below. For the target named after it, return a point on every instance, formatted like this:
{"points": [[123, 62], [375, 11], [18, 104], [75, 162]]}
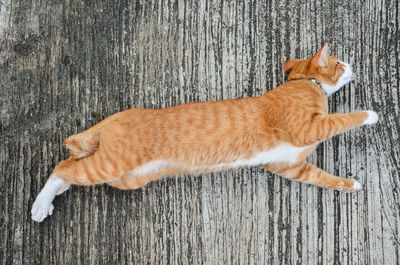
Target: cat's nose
{"points": [[348, 67]]}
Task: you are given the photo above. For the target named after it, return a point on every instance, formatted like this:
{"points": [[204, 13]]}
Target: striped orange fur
{"points": [[131, 148]]}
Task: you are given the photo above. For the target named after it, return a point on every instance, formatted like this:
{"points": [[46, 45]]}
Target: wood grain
{"points": [[65, 65]]}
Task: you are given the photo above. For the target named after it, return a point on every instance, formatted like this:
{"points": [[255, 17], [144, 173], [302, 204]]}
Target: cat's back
{"points": [[210, 116], [213, 130]]}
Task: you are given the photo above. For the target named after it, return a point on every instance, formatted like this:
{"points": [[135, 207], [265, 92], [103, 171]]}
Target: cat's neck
{"points": [[312, 80], [301, 89]]}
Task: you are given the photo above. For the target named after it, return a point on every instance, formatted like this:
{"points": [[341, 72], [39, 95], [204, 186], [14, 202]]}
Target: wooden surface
{"points": [[64, 65]]}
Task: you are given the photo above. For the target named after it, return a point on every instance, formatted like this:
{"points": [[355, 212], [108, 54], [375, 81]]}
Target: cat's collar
{"points": [[312, 80]]}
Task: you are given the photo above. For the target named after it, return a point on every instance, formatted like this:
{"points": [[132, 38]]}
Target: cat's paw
{"points": [[356, 187], [372, 118], [41, 208]]}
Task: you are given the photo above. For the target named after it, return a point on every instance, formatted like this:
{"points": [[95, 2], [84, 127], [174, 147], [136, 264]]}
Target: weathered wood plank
{"points": [[64, 65]]}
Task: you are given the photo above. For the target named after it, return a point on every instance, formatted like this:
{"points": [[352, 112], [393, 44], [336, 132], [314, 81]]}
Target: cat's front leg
{"points": [[325, 126], [307, 173], [42, 207], [372, 118]]}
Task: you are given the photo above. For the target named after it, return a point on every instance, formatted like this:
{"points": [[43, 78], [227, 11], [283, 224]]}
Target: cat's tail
{"points": [[86, 143], [82, 144]]}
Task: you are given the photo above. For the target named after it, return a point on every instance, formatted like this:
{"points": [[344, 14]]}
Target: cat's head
{"points": [[328, 71]]}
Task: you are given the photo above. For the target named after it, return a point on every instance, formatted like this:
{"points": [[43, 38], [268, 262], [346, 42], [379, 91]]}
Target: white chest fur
{"points": [[282, 153]]}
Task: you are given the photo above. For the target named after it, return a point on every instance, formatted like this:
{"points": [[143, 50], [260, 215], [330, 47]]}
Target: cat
{"points": [[278, 130]]}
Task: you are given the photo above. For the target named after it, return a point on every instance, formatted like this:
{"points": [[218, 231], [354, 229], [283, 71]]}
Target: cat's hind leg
{"points": [[127, 183], [43, 206], [93, 169], [130, 181], [307, 173]]}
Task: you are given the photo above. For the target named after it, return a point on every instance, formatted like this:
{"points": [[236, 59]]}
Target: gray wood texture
{"points": [[65, 65]]}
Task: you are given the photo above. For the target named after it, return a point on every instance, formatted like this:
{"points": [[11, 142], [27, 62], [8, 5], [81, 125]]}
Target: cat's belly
{"points": [[282, 153]]}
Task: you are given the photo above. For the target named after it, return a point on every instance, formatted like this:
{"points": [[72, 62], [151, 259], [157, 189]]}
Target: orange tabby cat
{"points": [[277, 130]]}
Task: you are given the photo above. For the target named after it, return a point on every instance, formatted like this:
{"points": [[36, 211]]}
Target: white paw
{"points": [[41, 208], [372, 118], [356, 187]]}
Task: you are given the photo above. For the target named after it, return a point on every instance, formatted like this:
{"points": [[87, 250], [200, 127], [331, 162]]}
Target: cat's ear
{"points": [[320, 59], [289, 64]]}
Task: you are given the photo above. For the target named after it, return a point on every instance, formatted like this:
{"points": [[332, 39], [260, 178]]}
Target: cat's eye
{"points": [[338, 62]]}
